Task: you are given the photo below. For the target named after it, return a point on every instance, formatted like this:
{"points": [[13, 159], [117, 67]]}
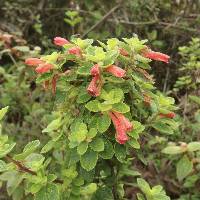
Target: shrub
{"points": [[105, 103]]}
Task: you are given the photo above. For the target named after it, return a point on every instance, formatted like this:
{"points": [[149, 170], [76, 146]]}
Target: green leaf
{"points": [[104, 106], [84, 70], [82, 148], [103, 123], [44, 77], [193, 146], [163, 128], [3, 111], [89, 189], [13, 178], [108, 150], [121, 108], [97, 144], [47, 147], [3, 166], [120, 152], [6, 148], [144, 186], [114, 96], [103, 193], [22, 48], [49, 192], [83, 96], [134, 143], [195, 99], [92, 133], [93, 106], [34, 161], [89, 160], [54, 125], [28, 149], [140, 196], [183, 167], [173, 150], [78, 135]]}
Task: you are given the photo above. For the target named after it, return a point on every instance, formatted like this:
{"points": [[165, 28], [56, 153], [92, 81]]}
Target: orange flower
{"points": [[43, 68], [157, 56], [116, 71], [33, 61], [59, 41], [122, 126], [75, 50]]}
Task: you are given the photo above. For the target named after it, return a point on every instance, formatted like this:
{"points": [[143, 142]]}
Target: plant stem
{"points": [[23, 168]]}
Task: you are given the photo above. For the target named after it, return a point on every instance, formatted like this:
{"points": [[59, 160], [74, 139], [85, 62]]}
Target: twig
{"points": [[101, 20], [134, 23], [166, 80], [169, 25], [23, 168]]}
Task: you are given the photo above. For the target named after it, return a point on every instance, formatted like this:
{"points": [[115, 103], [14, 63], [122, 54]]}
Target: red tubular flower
{"points": [[123, 52], [59, 41], [75, 50], [127, 124], [94, 88], [121, 136], [157, 56], [122, 125], [33, 61], [95, 71], [43, 68], [116, 71], [170, 115]]}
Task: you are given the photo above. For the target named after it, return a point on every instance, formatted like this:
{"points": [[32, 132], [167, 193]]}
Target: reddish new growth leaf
{"points": [[94, 88], [156, 56], [170, 115], [59, 41], [122, 126], [116, 71], [123, 52]]}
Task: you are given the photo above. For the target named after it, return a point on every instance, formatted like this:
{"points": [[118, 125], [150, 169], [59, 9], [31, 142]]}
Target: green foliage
{"points": [[83, 144], [76, 155], [156, 193]]}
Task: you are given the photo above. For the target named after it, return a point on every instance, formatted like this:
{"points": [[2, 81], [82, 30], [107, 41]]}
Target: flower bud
{"points": [[116, 71], [33, 61], [59, 41]]}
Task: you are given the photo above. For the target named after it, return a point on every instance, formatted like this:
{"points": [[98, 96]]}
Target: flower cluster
{"points": [[97, 72]]}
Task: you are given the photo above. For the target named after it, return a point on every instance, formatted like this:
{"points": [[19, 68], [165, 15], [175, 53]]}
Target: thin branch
{"points": [[101, 20], [23, 168], [169, 25]]}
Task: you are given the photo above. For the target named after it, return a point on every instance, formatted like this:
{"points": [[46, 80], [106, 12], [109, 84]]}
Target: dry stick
{"points": [[23, 168], [100, 21], [169, 25]]}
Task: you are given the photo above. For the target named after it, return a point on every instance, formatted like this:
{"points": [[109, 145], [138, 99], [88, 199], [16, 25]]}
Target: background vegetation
{"points": [[173, 27]]}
